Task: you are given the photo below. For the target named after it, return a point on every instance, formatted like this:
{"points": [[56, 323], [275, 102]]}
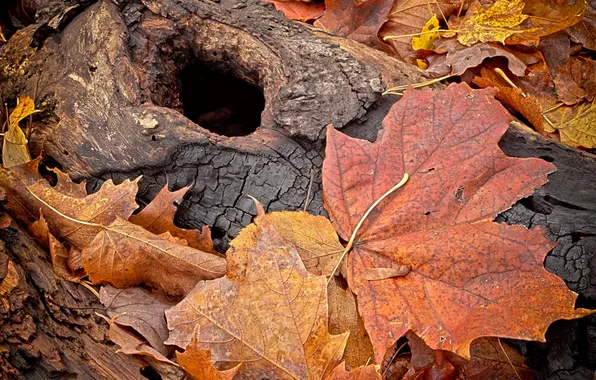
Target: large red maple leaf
{"points": [[469, 276]]}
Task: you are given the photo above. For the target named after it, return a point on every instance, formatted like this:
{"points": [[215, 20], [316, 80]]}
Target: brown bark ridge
{"points": [[229, 97]]}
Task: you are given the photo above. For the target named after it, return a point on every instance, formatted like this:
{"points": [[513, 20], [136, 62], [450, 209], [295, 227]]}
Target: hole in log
{"points": [[220, 103]]}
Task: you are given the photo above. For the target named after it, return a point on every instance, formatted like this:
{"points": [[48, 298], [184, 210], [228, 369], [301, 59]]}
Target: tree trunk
{"points": [[231, 98]]}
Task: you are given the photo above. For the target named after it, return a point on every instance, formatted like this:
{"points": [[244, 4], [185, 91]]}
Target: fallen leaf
{"points": [[66, 186], [14, 148], [158, 217], [131, 344], [357, 20], [343, 316], [313, 237], [15, 181], [469, 276], [141, 310], [299, 10], [124, 254], [370, 372], [493, 24], [427, 364], [377, 274], [426, 38], [274, 322], [584, 32], [576, 81], [492, 358], [576, 126], [407, 17], [197, 362], [2, 38]]}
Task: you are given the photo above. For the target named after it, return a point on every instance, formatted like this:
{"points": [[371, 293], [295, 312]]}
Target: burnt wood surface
{"points": [[166, 89]]}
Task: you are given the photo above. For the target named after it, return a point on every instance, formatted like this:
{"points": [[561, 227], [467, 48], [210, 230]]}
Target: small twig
{"points": [[90, 288], [30, 124], [509, 81], [419, 34], [312, 178], [353, 237], [392, 358], [509, 360], [392, 90]]}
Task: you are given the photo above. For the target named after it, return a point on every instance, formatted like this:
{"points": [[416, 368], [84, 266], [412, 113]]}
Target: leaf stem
{"points": [[353, 237], [416, 85]]}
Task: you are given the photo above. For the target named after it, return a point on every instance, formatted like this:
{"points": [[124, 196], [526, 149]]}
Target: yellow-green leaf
{"points": [[25, 107], [14, 147], [576, 126]]}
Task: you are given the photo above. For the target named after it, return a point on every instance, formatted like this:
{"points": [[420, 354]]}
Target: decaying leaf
{"points": [[584, 32], [576, 81], [299, 10], [343, 316], [124, 254], [492, 358], [60, 257], [140, 310], [158, 217], [469, 276], [14, 181], [10, 281], [197, 362], [274, 322], [370, 372], [357, 20], [313, 237], [576, 126]]}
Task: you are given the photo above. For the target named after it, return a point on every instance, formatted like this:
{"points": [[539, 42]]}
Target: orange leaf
{"points": [[299, 10], [469, 276], [158, 217], [124, 254], [274, 322], [313, 237], [197, 362]]}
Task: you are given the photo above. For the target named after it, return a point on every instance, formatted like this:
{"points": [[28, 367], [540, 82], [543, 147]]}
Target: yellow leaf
{"points": [[2, 38], [14, 148], [25, 107], [493, 24], [576, 125], [426, 38]]}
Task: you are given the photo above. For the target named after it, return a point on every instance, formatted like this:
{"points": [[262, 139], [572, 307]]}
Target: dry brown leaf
{"points": [[158, 217], [576, 81], [66, 186], [8, 283], [141, 310], [197, 362], [584, 32], [124, 254], [313, 237], [370, 372], [14, 181], [274, 322], [491, 358], [64, 213], [132, 344], [343, 316]]}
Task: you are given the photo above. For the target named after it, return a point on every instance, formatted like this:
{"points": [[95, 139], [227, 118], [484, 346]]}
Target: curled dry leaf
{"points": [[274, 322], [60, 257], [124, 254], [313, 237], [197, 362], [299, 10], [141, 310], [357, 20], [469, 276], [370, 372], [158, 217]]}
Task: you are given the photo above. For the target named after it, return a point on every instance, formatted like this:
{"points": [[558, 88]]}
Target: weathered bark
{"points": [[122, 85]]}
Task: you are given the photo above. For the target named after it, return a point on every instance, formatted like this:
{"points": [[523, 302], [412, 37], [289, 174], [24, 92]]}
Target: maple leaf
{"points": [[357, 20], [158, 217], [273, 322], [124, 254], [14, 149], [370, 372], [408, 17], [299, 10], [313, 237], [197, 362], [496, 23], [469, 276]]}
